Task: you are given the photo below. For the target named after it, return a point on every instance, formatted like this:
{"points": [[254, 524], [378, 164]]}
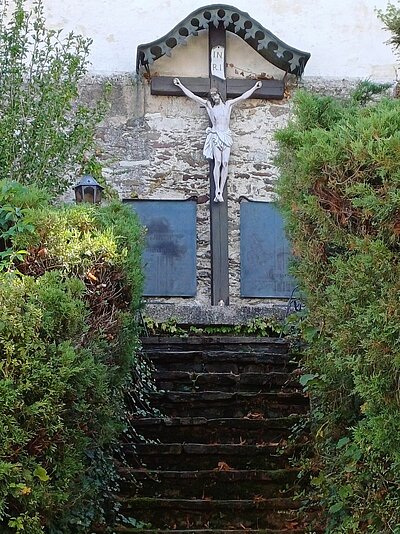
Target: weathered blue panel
{"points": [[169, 258], [264, 252]]}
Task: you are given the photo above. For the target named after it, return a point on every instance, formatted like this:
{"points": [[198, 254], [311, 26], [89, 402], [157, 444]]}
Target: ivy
{"points": [[258, 327]]}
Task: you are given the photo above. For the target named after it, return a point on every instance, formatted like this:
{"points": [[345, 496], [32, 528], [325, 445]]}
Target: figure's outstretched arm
{"points": [[189, 93], [245, 95]]}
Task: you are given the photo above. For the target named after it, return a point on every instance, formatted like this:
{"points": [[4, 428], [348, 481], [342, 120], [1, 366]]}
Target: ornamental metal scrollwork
{"points": [[295, 303], [289, 59]]}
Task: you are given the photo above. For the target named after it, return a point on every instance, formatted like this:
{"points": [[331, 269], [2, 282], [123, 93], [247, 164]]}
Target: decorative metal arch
{"points": [[271, 48]]}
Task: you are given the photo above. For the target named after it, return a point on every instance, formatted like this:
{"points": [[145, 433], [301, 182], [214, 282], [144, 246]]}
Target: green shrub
{"points": [[339, 191], [46, 135], [68, 341], [14, 200], [391, 19]]}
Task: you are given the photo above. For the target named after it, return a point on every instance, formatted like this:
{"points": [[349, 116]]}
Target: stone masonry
{"points": [[151, 148]]}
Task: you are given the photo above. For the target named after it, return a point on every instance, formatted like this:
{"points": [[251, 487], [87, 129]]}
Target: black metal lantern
{"points": [[88, 190]]}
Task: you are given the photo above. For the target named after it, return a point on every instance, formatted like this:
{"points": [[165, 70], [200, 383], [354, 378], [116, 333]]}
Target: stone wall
{"points": [[151, 148]]}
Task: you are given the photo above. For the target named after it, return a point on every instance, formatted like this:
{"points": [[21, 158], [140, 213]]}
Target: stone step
{"points": [[195, 381], [207, 513], [294, 530], [239, 344], [217, 460], [259, 365], [229, 405], [221, 361], [195, 456], [251, 430], [214, 484]]}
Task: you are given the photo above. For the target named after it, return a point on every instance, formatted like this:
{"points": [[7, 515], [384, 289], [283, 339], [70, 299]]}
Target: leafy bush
{"points": [[45, 134], [340, 166], [391, 19], [67, 339], [14, 198]]}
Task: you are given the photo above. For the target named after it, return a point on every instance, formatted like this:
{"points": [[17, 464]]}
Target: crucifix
{"points": [[217, 146], [218, 19], [223, 88]]}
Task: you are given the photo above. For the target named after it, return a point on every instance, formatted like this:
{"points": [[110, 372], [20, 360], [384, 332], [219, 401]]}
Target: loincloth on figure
{"points": [[216, 140]]}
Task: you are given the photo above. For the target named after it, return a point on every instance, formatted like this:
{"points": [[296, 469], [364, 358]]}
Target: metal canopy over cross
{"points": [[219, 19]]}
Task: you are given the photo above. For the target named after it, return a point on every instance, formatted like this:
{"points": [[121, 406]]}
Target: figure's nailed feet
{"points": [[218, 197]]}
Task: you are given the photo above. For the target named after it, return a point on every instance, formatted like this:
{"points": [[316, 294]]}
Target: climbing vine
{"points": [[258, 327]]}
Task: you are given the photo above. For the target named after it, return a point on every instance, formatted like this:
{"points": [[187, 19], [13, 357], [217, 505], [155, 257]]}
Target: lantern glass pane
{"points": [[97, 193], [78, 194], [89, 194]]}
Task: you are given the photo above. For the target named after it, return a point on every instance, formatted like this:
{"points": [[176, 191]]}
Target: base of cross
{"points": [[219, 245], [271, 89]]}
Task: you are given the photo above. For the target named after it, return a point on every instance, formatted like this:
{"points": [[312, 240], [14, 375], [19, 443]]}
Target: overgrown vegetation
{"points": [[258, 327], [69, 288], [340, 167], [46, 136]]}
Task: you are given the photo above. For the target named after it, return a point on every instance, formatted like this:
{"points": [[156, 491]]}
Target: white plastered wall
{"points": [[345, 37]]}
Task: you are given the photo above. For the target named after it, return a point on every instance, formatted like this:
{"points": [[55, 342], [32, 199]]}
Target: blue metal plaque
{"points": [[264, 252], [169, 258]]}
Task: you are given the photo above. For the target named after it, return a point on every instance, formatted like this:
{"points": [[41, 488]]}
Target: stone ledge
{"points": [[208, 315]]}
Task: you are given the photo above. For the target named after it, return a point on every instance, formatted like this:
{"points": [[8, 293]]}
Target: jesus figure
{"points": [[219, 139]]}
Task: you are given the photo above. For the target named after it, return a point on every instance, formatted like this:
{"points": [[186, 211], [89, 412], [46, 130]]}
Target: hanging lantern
{"points": [[88, 190]]}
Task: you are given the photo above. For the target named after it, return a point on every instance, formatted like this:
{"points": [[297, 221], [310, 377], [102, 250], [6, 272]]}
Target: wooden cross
{"points": [[231, 88]]}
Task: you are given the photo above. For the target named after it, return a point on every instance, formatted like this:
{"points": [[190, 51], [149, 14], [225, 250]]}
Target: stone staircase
{"points": [[213, 461]]}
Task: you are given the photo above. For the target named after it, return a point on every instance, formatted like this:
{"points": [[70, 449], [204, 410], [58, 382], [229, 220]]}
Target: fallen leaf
{"points": [[43, 252], [223, 466], [292, 525], [92, 277], [254, 415]]}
